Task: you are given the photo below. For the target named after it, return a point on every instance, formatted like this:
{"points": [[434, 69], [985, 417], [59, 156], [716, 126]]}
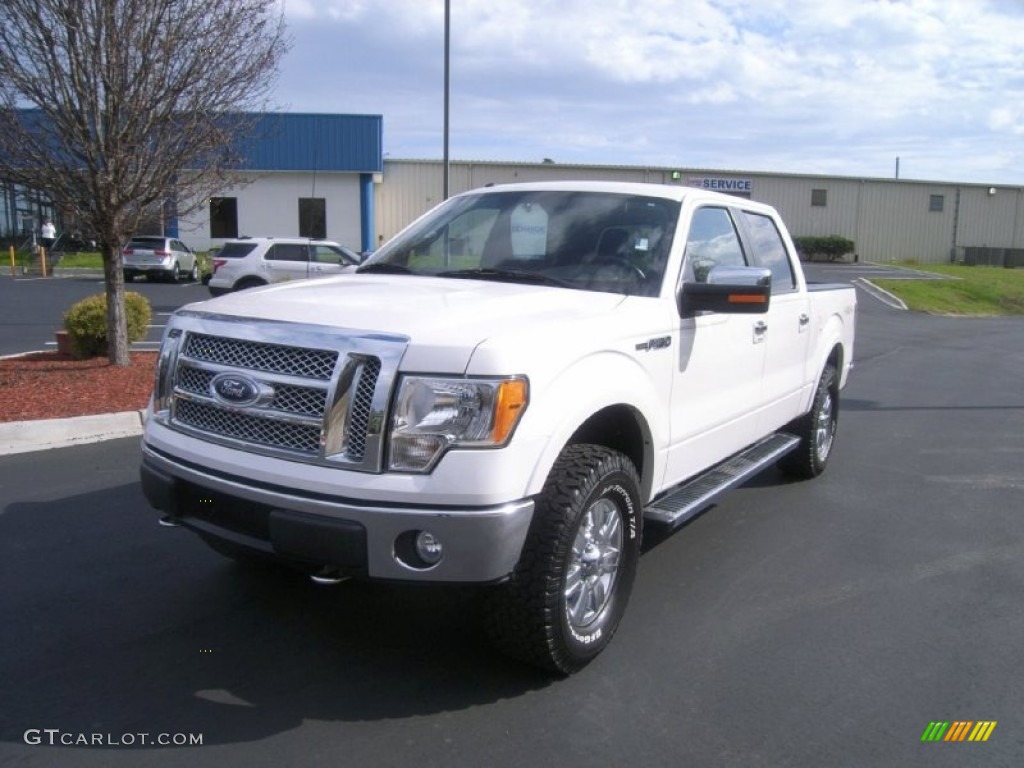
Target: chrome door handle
{"points": [[760, 331]]}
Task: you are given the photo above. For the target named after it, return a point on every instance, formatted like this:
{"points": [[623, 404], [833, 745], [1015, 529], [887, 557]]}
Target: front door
{"points": [[716, 385], [326, 260]]}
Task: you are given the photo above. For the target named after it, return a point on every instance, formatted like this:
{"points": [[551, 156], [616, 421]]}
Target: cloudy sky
{"points": [[838, 87]]}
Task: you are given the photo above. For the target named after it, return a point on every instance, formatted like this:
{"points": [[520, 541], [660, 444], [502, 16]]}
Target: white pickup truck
{"points": [[505, 394]]}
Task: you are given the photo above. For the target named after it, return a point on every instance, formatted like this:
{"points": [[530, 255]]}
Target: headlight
{"points": [[434, 414]]}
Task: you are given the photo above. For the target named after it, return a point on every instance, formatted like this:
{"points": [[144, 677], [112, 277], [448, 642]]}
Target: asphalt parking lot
{"points": [[796, 624], [31, 309]]}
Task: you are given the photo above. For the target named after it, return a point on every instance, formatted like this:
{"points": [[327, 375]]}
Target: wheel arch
{"points": [[248, 281], [618, 426]]}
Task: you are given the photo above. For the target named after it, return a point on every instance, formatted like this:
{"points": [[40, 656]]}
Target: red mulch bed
{"points": [[49, 385]]}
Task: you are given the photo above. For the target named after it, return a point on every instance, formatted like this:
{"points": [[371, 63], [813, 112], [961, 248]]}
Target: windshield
{"points": [[593, 241]]}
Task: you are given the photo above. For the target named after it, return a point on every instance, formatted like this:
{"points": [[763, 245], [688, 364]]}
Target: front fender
{"points": [[590, 385]]}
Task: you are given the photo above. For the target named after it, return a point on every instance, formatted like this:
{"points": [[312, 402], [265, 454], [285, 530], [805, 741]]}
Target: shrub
{"points": [[832, 247], [86, 323]]}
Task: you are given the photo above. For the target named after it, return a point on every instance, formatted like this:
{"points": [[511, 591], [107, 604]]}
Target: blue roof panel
{"points": [[286, 141]]}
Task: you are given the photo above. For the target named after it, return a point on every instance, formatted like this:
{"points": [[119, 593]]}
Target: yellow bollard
{"points": [[42, 259], [13, 272]]}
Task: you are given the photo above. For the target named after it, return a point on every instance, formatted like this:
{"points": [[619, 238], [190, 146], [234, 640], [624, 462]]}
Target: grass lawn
{"points": [[87, 260], [976, 291]]}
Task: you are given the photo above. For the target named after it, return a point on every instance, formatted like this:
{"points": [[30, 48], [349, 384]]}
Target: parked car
{"points": [[251, 261], [206, 265], [159, 258]]}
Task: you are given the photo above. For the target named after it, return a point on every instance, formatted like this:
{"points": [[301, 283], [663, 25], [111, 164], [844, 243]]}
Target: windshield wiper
{"points": [[506, 276], [385, 269]]}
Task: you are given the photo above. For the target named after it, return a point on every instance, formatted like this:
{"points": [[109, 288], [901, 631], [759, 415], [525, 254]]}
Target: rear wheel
{"points": [[569, 590], [248, 282], [816, 430]]}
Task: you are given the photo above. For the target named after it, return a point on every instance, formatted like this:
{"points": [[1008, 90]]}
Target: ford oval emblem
{"points": [[235, 389]]}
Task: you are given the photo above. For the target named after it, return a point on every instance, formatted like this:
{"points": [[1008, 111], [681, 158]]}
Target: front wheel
{"points": [[569, 590], [816, 430]]}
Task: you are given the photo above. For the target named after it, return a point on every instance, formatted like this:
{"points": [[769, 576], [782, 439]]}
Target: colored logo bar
{"points": [[959, 730]]}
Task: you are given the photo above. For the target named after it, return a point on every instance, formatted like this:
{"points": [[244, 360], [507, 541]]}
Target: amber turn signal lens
{"points": [[511, 402]]}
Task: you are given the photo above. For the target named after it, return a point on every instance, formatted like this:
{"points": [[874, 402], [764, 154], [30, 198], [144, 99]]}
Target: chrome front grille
{"points": [[259, 356], [360, 410], [251, 429], [308, 401], [319, 397]]}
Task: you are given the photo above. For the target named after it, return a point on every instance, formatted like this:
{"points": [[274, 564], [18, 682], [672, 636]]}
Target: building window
{"points": [[936, 203], [223, 217], [313, 217], [819, 198]]}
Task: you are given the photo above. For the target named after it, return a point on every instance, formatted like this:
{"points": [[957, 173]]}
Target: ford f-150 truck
{"points": [[505, 394]]}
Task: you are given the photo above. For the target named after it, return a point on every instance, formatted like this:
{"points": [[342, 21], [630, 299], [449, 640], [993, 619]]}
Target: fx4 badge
{"points": [[662, 342]]}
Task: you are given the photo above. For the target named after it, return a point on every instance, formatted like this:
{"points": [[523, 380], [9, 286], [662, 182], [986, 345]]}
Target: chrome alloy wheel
{"points": [[593, 563], [825, 428]]}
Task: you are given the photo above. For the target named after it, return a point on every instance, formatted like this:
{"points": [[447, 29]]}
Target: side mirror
{"points": [[731, 290]]}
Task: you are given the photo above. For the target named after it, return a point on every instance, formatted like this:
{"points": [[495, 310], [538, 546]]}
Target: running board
{"points": [[679, 505]]}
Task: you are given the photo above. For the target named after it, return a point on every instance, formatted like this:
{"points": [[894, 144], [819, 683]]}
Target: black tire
{"points": [[816, 430], [129, 277], [193, 276], [569, 590]]}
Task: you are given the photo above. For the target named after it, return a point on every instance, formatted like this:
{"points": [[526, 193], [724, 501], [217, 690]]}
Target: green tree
{"points": [[115, 108]]}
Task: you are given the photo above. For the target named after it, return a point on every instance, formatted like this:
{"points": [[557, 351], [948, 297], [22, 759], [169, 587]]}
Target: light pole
{"points": [[447, 41]]}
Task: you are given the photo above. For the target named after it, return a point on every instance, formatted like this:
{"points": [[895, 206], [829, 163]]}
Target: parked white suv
{"points": [[251, 261], [159, 258]]}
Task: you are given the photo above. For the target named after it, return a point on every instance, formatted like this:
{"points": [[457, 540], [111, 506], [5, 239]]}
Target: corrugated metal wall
{"points": [[888, 219]]}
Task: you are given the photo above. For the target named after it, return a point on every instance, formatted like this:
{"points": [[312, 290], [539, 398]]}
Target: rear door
{"points": [[287, 261], [184, 254], [787, 336]]}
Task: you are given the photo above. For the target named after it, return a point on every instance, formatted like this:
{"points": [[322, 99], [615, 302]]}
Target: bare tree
{"points": [[114, 108]]}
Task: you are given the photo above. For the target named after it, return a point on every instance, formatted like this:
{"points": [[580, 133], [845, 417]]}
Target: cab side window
{"points": [[287, 252], [711, 242], [325, 254], [770, 251]]}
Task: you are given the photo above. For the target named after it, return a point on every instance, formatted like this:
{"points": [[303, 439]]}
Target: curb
{"points": [[44, 434]]}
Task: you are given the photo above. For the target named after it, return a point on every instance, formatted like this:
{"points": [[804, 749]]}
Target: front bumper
{"points": [[319, 531]]}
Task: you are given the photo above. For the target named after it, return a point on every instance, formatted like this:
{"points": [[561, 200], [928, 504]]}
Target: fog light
{"points": [[428, 548]]}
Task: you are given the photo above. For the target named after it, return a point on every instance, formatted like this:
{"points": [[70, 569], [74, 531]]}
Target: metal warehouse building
{"points": [[887, 219], [325, 176]]}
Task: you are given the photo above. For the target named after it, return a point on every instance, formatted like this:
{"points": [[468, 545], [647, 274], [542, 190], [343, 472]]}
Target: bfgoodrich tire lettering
{"points": [[816, 430], [569, 591]]}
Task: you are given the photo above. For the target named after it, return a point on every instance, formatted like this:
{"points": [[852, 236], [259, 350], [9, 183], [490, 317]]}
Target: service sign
{"points": [[729, 186]]}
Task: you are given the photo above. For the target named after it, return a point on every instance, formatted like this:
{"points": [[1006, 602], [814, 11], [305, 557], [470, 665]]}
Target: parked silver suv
{"points": [[159, 258], [251, 261]]}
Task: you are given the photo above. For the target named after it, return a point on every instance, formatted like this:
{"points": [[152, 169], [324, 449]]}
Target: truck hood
{"points": [[444, 319]]}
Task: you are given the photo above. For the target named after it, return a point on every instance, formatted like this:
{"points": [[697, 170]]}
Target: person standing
{"points": [[49, 235]]}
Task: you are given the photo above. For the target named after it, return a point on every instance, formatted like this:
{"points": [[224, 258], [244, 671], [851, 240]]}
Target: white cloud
{"points": [[819, 85]]}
